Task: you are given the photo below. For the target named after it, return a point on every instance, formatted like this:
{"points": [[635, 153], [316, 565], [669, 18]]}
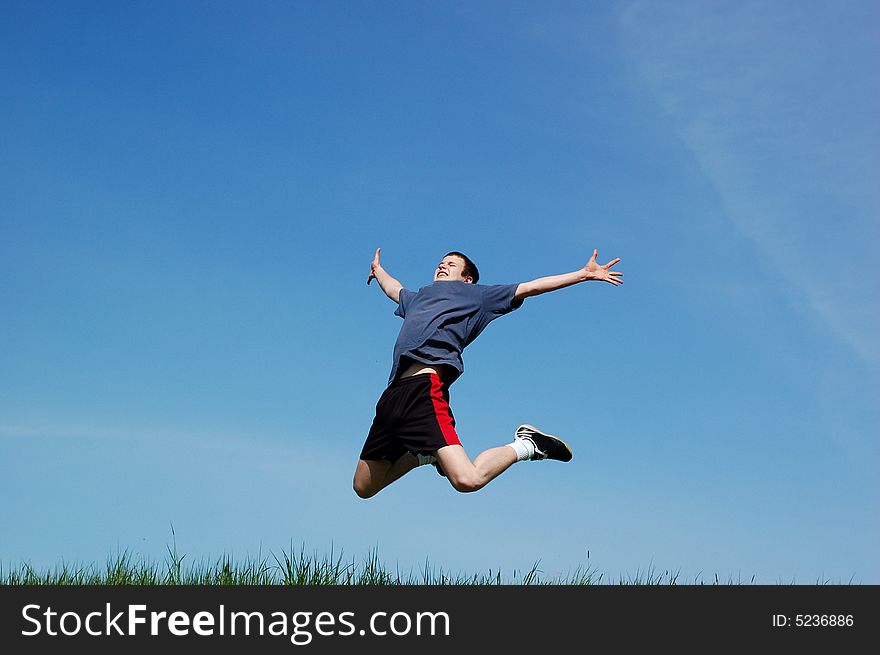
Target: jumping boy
{"points": [[414, 424]]}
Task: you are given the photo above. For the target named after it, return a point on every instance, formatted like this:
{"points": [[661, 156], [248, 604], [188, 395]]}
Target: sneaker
{"points": [[546, 445]]}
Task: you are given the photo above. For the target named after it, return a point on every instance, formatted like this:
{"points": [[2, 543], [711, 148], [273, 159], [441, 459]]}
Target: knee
{"points": [[466, 483], [363, 490]]}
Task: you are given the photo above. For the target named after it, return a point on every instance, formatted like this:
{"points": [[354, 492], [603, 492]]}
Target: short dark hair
{"points": [[469, 267]]}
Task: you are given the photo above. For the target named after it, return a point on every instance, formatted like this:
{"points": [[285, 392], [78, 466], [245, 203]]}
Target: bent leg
{"points": [[368, 476], [373, 475], [465, 475]]}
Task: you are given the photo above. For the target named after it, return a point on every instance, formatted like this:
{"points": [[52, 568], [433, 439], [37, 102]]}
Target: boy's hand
{"points": [[374, 266], [388, 284], [594, 271]]}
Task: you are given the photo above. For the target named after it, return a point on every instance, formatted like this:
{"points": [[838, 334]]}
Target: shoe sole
{"points": [[532, 427]]}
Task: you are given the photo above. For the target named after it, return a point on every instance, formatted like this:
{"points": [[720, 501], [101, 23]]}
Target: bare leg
{"points": [[404, 464], [371, 476], [465, 475]]}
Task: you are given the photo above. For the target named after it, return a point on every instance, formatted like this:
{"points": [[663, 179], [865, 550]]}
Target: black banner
{"points": [[433, 619]]}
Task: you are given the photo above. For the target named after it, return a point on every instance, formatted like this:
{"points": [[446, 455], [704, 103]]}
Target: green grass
{"points": [[296, 567], [292, 567], [289, 567]]}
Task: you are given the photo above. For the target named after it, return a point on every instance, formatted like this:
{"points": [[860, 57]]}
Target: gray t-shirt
{"points": [[444, 317]]}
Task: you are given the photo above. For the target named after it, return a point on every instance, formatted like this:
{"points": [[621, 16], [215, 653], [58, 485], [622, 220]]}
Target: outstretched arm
{"points": [[591, 271], [389, 285]]}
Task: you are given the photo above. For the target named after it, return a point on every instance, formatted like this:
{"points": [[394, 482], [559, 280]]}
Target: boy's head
{"points": [[457, 267]]}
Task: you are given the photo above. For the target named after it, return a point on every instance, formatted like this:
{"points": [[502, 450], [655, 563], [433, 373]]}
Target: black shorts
{"points": [[412, 415]]}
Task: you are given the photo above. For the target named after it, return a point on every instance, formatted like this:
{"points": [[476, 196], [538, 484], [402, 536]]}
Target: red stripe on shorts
{"points": [[441, 411]]}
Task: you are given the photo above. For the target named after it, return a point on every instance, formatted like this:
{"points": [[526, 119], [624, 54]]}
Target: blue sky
{"points": [[191, 194]]}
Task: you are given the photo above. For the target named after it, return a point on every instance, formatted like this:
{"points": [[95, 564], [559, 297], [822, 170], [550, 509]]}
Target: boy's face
{"points": [[450, 269]]}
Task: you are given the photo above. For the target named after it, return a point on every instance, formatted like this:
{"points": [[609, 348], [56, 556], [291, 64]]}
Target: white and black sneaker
{"points": [[546, 445]]}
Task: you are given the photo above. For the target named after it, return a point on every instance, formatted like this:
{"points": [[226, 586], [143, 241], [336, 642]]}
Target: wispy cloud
{"points": [[216, 468], [47, 431], [778, 103], [304, 453]]}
